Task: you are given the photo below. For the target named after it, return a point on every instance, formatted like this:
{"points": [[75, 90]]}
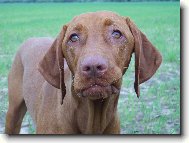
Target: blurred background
{"points": [[157, 111]]}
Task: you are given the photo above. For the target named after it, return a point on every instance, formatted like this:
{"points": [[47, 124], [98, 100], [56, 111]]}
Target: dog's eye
{"points": [[116, 34], [74, 37]]}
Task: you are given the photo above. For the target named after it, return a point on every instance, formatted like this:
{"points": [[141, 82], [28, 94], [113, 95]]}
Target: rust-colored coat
{"points": [[71, 85]]}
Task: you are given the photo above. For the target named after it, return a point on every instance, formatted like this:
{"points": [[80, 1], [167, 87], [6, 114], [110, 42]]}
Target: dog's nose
{"points": [[94, 66]]}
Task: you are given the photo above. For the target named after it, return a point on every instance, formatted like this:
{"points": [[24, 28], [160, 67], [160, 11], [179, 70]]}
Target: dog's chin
{"points": [[99, 92]]}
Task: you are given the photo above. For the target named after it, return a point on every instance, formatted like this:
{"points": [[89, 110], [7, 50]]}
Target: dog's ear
{"points": [[52, 64], [147, 57]]}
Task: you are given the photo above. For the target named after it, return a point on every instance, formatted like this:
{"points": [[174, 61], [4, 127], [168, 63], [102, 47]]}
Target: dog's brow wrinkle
{"points": [[108, 22], [79, 27]]}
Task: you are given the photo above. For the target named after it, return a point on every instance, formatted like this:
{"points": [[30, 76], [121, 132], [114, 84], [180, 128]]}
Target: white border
{"points": [[134, 139]]}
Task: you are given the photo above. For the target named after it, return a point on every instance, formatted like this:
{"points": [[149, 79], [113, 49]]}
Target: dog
{"points": [[71, 85]]}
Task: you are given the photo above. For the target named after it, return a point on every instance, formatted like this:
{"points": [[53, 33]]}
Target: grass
{"points": [[158, 109]]}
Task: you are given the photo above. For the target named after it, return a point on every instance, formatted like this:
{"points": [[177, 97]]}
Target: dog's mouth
{"points": [[98, 91]]}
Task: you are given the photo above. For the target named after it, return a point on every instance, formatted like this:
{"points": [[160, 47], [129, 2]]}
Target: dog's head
{"points": [[98, 48]]}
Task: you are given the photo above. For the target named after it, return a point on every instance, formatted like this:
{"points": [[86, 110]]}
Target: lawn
{"points": [[157, 111]]}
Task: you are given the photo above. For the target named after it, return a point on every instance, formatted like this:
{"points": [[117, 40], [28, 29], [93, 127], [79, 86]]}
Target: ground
{"points": [[157, 111]]}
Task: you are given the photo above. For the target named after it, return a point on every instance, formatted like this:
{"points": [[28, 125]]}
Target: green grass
{"points": [[158, 109]]}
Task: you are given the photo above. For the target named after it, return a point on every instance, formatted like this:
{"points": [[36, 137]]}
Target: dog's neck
{"points": [[95, 114], [97, 110]]}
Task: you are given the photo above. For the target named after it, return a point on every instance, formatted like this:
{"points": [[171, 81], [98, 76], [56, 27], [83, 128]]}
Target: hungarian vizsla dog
{"points": [[71, 85]]}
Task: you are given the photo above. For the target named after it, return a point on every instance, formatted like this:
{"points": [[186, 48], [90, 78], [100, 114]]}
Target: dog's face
{"points": [[98, 48]]}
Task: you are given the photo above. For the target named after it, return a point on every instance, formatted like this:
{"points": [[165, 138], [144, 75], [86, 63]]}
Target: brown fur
{"points": [[46, 77]]}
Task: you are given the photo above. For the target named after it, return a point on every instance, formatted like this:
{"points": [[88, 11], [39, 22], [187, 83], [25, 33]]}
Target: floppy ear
{"points": [[52, 64], [147, 57]]}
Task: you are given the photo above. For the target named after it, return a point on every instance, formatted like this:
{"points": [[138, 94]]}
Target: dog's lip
{"points": [[96, 87]]}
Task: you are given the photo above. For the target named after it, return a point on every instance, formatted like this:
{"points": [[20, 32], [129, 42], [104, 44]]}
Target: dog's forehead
{"points": [[92, 18]]}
